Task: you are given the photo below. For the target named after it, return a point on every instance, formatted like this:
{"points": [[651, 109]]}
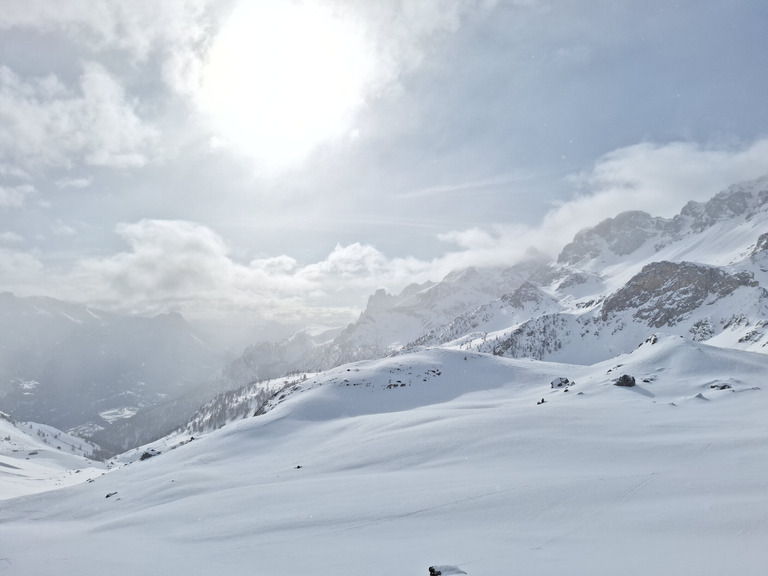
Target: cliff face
{"points": [[663, 293]]}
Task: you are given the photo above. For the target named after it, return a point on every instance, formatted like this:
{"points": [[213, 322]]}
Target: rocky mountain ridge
{"points": [[701, 274]]}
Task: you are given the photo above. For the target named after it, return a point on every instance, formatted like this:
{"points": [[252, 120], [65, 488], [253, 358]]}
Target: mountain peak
{"points": [[620, 236]]}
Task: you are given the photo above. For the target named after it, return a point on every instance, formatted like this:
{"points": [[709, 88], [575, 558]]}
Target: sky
{"points": [[273, 163]]}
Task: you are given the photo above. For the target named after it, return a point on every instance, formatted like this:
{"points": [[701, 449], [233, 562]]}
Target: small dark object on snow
{"points": [[433, 572], [299, 466], [540, 402], [149, 454], [625, 380], [720, 386], [110, 494]]}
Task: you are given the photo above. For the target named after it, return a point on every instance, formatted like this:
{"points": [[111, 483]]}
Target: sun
{"points": [[283, 77]]}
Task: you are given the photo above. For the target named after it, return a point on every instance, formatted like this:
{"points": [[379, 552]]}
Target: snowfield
{"points": [[458, 465]]}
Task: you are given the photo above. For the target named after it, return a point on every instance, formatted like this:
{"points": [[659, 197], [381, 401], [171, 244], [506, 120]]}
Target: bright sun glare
{"points": [[284, 76]]}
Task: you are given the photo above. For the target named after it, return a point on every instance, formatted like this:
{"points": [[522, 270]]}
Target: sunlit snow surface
{"points": [[459, 465]]}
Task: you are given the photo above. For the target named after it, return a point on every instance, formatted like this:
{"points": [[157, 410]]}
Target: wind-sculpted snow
{"points": [[476, 466]]}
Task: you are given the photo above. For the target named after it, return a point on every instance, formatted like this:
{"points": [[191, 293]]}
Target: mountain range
{"points": [[601, 412], [123, 381]]}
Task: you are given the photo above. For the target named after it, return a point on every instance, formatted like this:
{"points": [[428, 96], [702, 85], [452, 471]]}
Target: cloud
{"points": [[174, 264], [402, 31], [177, 32], [282, 79], [166, 258], [14, 196], [10, 238], [656, 178], [21, 271], [59, 228], [74, 182], [290, 85], [186, 266], [45, 123]]}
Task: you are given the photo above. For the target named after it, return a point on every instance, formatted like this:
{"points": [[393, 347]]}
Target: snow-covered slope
{"points": [[702, 274], [38, 458], [446, 458]]}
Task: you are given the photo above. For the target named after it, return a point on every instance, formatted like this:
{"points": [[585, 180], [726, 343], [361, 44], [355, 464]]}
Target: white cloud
{"points": [[10, 238], [173, 264], [74, 182], [42, 122], [14, 196], [183, 265], [656, 178], [276, 80], [402, 31], [60, 228], [22, 272], [186, 266], [177, 31]]}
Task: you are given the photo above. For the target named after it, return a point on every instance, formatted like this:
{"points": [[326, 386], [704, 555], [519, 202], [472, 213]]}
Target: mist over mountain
{"points": [[84, 370]]}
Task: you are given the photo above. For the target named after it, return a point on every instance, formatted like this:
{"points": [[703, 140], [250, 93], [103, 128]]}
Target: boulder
{"points": [[625, 380]]}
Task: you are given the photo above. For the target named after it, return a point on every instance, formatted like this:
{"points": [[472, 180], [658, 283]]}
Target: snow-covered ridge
{"points": [[36, 458], [470, 463], [701, 275]]}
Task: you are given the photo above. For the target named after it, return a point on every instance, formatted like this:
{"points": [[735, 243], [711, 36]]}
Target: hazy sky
{"points": [[279, 160]]}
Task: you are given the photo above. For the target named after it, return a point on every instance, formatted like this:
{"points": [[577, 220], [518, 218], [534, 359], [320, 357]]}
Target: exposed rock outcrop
{"points": [[663, 293]]}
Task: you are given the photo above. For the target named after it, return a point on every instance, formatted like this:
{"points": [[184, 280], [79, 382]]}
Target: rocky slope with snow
{"points": [[701, 275]]}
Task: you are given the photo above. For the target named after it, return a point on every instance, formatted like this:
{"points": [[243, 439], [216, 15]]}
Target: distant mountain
{"points": [[702, 275], [672, 270], [77, 368], [388, 323]]}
